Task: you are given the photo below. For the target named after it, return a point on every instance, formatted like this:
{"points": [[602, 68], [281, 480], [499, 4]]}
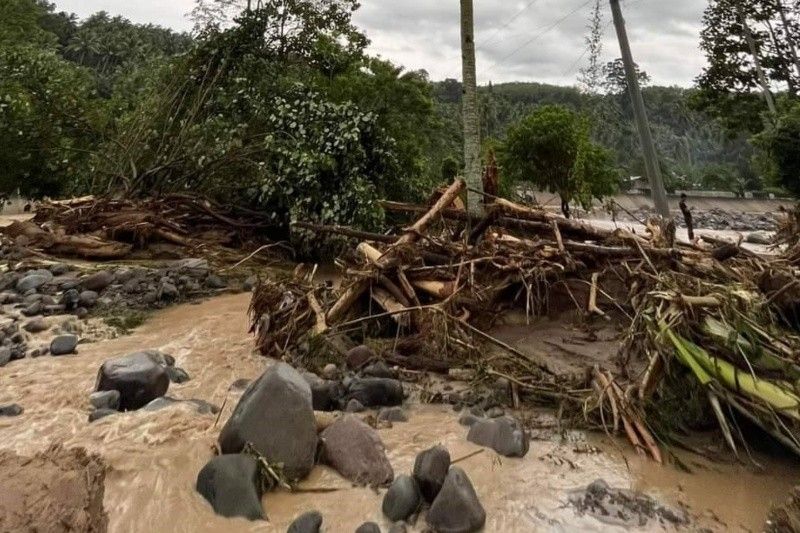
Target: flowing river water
{"points": [[154, 457]]}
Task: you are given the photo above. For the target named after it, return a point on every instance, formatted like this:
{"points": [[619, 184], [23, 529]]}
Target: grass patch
{"points": [[125, 322]]}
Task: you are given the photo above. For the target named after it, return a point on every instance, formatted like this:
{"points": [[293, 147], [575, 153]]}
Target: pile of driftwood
{"points": [[707, 311], [107, 228]]}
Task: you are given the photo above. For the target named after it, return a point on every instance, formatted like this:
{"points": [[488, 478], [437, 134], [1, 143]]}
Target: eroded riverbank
{"points": [[153, 457]]}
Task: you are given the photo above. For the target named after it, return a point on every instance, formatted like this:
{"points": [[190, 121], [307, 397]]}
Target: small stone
{"points": [[32, 281], [456, 508], [13, 409], [354, 406], [81, 312], [308, 522], [168, 291], [105, 399], [150, 297], [59, 269], [359, 356], [131, 286], [177, 375], [87, 298], [392, 414], [330, 371], [33, 309], [36, 325], [215, 282], [98, 281], [402, 499], [368, 527], [430, 471], [495, 412], [468, 419], [70, 298], [378, 369], [101, 413], [375, 392], [63, 345], [250, 283]]}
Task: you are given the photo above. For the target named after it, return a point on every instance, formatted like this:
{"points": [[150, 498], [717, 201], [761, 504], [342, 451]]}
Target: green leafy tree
{"points": [[552, 149], [779, 151], [46, 126]]}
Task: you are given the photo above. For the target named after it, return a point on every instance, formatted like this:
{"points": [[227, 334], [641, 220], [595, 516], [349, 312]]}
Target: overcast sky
{"points": [[518, 40]]}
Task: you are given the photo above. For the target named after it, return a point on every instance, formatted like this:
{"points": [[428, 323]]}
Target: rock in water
{"points": [[13, 409], [108, 399], [98, 281], [368, 527], [354, 406], [359, 356], [276, 416], [177, 375], [376, 392], [63, 345], [309, 522], [138, 378], [430, 471], [456, 509], [504, 435], [101, 413], [402, 499], [232, 486], [392, 414], [5, 355], [355, 450], [325, 395]]}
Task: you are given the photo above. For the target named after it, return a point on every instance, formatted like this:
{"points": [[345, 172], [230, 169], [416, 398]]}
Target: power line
{"points": [[508, 23], [538, 36]]}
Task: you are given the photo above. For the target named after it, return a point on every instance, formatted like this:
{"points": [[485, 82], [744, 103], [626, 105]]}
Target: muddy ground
{"points": [[152, 457]]}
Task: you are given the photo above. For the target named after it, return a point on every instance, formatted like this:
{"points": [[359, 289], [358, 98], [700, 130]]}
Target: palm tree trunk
{"points": [[472, 130]]}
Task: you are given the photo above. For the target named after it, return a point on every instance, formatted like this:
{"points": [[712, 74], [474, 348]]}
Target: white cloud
{"points": [[544, 43]]}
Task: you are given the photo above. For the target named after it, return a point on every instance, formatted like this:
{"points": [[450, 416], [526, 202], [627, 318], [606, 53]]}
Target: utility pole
{"points": [[751, 42], [640, 114], [469, 104]]}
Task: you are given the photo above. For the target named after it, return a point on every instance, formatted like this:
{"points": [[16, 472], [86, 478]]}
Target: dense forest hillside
{"points": [[696, 150]]}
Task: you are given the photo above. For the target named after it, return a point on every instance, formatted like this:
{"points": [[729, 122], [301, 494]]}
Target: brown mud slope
{"points": [[56, 490]]}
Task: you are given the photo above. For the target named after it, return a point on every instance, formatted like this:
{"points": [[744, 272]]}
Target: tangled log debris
{"points": [[708, 312], [106, 228]]}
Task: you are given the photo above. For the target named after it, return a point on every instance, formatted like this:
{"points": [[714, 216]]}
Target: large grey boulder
{"points": [[456, 509], [138, 377], [504, 435], [232, 485], [376, 392], [402, 499], [275, 415], [430, 470], [355, 450]]}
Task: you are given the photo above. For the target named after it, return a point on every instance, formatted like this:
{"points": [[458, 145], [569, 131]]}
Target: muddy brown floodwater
{"points": [[154, 457]]}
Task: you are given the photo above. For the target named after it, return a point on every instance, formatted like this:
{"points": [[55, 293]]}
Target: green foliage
{"points": [[287, 122], [551, 148], [20, 25], [450, 168], [45, 121], [779, 147]]}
